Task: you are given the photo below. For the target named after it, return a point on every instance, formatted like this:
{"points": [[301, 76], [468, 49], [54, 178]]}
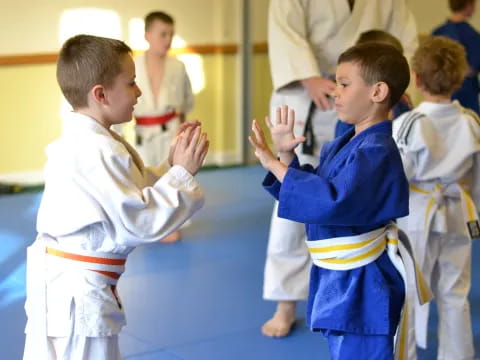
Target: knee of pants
{"points": [[452, 300]]}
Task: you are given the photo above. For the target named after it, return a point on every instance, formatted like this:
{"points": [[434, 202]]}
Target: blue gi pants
{"points": [[349, 346]]}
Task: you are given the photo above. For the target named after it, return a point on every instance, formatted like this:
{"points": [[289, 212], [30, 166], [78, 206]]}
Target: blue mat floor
{"points": [[198, 299]]}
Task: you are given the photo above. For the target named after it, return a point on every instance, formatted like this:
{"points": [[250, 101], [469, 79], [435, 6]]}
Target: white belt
{"points": [[436, 197], [350, 252], [40, 255]]}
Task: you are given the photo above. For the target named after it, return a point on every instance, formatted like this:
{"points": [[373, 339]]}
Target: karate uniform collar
{"points": [[384, 127], [443, 109], [346, 141], [76, 122]]}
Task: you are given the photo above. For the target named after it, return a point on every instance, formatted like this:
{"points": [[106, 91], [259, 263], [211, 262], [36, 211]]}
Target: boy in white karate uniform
{"points": [[99, 203], [166, 94], [440, 146]]}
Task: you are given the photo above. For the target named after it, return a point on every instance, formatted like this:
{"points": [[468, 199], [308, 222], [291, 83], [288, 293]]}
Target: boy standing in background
{"points": [[440, 146]]}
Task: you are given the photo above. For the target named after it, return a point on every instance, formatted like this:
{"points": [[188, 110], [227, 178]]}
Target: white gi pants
{"points": [[153, 141], [75, 347], [287, 267], [447, 268]]}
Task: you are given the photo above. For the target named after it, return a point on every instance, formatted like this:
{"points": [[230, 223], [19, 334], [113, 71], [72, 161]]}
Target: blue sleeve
{"points": [[370, 188], [273, 186], [465, 34], [471, 41]]}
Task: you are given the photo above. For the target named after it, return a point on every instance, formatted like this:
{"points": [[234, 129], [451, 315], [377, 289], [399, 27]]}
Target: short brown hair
{"points": [[85, 61], [380, 36], [380, 62], [459, 5], [440, 64], [160, 16]]}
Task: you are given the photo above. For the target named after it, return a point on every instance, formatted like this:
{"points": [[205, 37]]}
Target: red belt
{"points": [[155, 120], [91, 260]]}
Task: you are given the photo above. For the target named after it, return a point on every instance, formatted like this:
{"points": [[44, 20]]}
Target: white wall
{"points": [[31, 26]]}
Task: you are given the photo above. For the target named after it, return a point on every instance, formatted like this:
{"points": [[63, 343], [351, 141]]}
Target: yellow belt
{"points": [[436, 196], [350, 252]]}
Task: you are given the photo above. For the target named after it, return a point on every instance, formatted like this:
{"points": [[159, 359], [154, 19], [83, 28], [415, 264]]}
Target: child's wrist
{"points": [[286, 157], [271, 164], [278, 169], [287, 153]]}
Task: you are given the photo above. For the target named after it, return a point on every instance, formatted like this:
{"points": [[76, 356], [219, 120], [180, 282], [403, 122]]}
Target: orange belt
{"points": [[155, 120], [104, 261]]}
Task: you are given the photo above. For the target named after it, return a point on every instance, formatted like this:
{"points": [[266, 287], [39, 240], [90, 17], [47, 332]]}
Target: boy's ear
{"points": [[380, 92], [98, 94], [147, 36]]}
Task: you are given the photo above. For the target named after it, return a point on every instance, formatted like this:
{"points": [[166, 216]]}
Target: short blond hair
{"points": [[441, 65], [85, 61]]}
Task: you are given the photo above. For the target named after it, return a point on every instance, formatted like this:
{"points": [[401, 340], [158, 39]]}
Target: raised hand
{"points": [[190, 149], [262, 151], [180, 130], [264, 154], [282, 134]]}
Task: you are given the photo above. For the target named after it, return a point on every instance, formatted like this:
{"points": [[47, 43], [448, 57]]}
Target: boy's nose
{"points": [[139, 92]]}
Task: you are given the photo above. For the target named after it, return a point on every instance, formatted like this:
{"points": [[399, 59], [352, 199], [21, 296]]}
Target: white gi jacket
{"points": [[439, 143], [175, 94], [306, 37], [175, 91], [440, 149], [99, 197]]}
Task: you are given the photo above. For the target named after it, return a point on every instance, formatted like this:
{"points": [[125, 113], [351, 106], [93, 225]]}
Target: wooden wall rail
{"points": [[48, 58]]}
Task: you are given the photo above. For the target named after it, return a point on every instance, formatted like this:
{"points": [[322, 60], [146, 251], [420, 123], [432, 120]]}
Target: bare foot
{"points": [[173, 237], [282, 321]]}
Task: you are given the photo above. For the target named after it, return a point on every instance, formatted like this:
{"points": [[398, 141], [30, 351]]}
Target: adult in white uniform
{"points": [[167, 94], [305, 39], [440, 146], [99, 203]]}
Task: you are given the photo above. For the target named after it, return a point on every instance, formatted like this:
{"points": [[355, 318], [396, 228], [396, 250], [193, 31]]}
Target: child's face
{"points": [[352, 95], [122, 95], [159, 36]]}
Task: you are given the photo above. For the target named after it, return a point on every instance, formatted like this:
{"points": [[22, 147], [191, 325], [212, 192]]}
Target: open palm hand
{"points": [[282, 134]]}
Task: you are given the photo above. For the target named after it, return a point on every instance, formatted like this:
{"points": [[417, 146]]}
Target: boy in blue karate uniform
{"points": [[457, 28], [348, 203]]}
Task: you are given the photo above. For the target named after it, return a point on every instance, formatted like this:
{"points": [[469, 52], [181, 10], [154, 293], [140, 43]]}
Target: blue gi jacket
{"points": [[359, 186], [466, 35]]}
